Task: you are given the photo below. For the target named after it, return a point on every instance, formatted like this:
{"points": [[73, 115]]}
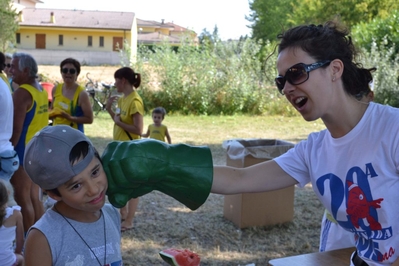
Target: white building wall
{"points": [[89, 58]]}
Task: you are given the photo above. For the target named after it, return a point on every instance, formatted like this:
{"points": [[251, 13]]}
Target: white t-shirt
{"points": [[356, 177], [6, 117]]}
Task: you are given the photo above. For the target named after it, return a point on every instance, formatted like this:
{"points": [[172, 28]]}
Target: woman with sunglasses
{"points": [[7, 68], [353, 165], [70, 104], [2, 67]]}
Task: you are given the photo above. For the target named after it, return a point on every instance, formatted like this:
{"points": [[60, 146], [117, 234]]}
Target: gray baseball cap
{"points": [[46, 158]]}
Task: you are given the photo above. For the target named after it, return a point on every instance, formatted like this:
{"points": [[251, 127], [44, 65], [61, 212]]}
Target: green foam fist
{"points": [[135, 168]]}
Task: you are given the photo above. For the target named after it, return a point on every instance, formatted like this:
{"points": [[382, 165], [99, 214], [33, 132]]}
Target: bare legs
{"points": [[127, 214], [26, 197]]}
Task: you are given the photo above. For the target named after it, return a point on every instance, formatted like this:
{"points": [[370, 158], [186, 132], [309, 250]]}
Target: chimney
{"points": [[163, 21], [52, 18], [20, 16]]}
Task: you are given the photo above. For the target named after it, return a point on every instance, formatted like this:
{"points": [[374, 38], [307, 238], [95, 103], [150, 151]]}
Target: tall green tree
{"points": [[8, 24], [269, 18], [349, 12], [384, 31]]}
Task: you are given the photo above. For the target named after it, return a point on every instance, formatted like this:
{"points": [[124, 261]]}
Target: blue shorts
{"points": [[9, 163]]}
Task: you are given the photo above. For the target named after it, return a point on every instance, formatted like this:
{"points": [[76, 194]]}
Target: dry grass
{"points": [[162, 222]]}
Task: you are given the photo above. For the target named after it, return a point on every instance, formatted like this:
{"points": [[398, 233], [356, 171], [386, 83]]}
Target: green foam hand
{"points": [[135, 168]]}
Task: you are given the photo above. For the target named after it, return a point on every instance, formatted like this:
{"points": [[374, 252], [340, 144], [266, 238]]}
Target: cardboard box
{"points": [[257, 209]]}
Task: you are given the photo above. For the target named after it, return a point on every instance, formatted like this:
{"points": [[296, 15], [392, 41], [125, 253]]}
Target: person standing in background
{"points": [[3, 65], [70, 104], [158, 130], [7, 68], [128, 119], [30, 116]]}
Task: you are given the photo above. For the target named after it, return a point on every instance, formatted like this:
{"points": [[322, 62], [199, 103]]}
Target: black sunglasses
{"points": [[71, 70], [7, 65], [298, 74]]}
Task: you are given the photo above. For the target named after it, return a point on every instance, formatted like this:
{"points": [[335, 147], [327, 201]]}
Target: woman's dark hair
{"points": [[328, 42], [127, 73], [78, 152], [72, 61], [3, 201]]}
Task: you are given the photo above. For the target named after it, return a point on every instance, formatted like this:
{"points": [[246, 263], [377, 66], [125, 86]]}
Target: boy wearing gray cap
{"points": [[80, 229]]}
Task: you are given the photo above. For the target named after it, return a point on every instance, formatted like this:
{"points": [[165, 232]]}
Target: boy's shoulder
{"points": [[51, 220]]}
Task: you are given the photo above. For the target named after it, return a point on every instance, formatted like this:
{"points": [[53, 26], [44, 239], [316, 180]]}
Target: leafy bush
{"points": [[379, 30], [227, 78], [233, 78], [385, 79]]}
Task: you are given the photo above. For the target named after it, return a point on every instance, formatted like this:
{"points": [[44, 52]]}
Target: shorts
{"points": [[9, 163]]}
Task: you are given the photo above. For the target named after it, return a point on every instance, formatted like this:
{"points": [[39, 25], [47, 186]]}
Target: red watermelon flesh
{"points": [[180, 257]]}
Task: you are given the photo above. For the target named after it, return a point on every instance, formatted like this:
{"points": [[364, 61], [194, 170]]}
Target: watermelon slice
{"points": [[180, 257]]}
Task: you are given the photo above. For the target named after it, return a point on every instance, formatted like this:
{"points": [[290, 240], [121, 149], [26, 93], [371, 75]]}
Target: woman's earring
{"points": [[333, 79]]}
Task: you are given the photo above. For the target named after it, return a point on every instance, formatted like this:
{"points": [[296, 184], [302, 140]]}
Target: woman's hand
{"points": [[117, 119], [110, 101]]}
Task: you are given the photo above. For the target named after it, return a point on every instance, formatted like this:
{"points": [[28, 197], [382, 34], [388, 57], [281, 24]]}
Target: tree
{"points": [[208, 40], [8, 23], [382, 31], [269, 18], [350, 12]]}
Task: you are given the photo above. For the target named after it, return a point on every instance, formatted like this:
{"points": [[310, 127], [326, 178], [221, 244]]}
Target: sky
{"points": [[228, 15]]}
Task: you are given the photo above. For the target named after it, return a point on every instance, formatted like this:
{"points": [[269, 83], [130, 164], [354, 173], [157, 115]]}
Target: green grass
{"points": [[213, 130]]}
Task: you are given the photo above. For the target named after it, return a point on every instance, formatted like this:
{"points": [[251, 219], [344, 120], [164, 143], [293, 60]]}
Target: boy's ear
{"points": [[53, 195]]}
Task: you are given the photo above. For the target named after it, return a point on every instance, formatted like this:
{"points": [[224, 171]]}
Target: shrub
{"points": [[227, 78], [385, 79], [233, 78]]}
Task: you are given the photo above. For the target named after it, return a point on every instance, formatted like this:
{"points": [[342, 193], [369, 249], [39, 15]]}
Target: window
{"points": [[101, 41], [90, 41], [60, 40], [18, 38], [117, 43]]}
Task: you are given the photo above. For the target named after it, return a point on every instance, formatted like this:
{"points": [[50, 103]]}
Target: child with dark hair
{"points": [[80, 229], [11, 227], [158, 130]]}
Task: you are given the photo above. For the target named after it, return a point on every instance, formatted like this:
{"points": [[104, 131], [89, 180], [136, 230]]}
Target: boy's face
{"points": [[86, 191], [157, 118]]}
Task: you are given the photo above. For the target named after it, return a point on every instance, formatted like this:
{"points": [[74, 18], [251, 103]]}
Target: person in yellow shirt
{"points": [[30, 116], [70, 105], [158, 130], [128, 124]]}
